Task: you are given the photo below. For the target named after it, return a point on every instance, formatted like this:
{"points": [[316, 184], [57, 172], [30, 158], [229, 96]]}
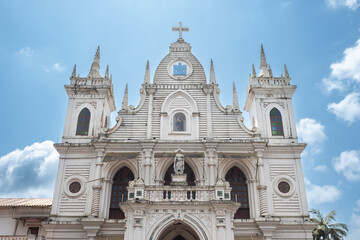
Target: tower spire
{"points": [[286, 73], [147, 73], [212, 73], [263, 64], [73, 75], [107, 72], [253, 71], [235, 99], [95, 66], [125, 104]]}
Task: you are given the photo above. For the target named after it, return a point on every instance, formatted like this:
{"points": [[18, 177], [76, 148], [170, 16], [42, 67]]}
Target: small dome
{"points": [[180, 66]]}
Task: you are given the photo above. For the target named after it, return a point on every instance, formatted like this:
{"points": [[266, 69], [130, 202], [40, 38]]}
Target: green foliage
{"points": [[327, 228]]}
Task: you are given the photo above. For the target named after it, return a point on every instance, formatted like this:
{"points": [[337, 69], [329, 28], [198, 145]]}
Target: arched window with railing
{"points": [[239, 192], [179, 122], [83, 122], [276, 123], [119, 192]]}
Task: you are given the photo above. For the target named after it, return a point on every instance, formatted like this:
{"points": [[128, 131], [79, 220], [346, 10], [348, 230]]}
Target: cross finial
{"points": [[180, 29]]}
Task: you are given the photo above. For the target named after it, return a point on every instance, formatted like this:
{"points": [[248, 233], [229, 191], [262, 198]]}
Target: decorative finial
{"points": [[253, 71], [107, 72], [73, 75], [95, 66], [235, 99], [125, 104], [180, 29], [147, 73], [212, 73], [286, 73], [263, 63], [270, 72]]}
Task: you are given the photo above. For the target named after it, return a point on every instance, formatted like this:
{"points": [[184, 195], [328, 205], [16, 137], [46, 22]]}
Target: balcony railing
{"points": [[15, 238], [179, 193]]}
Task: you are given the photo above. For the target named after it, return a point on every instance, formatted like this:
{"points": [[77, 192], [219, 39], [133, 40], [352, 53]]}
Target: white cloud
{"points": [[26, 51], [348, 163], [354, 232], [321, 194], [346, 71], [311, 132], [352, 4], [348, 109], [320, 168], [29, 172], [57, 67]]}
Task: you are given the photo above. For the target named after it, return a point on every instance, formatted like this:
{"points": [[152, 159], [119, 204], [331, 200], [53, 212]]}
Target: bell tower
{"points": [[91, 100], [269, 103]]}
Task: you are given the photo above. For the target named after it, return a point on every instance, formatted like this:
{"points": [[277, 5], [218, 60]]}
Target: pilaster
{"points": [[262, 187]]}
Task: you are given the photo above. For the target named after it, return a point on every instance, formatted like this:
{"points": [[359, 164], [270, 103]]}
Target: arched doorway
{"points": [[239, 192], [190, 178], [119, 192], [178, 231]]}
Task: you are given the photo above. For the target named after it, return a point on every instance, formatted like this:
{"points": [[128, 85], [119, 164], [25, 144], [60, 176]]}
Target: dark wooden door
{"points": [[239, 192], [119, 192]]}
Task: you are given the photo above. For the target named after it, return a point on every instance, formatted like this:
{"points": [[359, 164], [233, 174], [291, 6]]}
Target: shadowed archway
{"points": [[190, 178], [178, 231]]}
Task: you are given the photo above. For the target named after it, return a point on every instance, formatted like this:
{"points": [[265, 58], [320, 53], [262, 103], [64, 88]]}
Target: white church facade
{"points": [[179, 165]]}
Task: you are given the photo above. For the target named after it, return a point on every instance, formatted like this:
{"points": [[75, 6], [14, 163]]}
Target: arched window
{"points": [[239, 192], [82, 128], [179, 122], [276, 123], [119, 192], [190, 178]]}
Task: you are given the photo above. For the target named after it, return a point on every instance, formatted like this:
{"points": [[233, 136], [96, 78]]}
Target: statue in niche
{"points": [[179, 122], [179, 163]]}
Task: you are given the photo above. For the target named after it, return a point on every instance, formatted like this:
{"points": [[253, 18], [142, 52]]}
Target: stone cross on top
{"points": [[180, 29]]}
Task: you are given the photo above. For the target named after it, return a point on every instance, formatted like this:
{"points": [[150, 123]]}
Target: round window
{"points": [[284, 187], [74, 187]]}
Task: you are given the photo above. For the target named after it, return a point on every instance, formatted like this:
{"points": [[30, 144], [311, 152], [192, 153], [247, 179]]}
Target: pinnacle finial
{"points": [[107, 72], [263, 63], [264, 72], [147, 73], [270, 72], [95, 66], [73, 75], [212, 73], [125, 104], [286, 73], [253, 71], [235, 99]]}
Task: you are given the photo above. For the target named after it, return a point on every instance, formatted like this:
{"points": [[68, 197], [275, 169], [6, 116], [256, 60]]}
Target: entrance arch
{"points": [[170, 227], [178, 231]]}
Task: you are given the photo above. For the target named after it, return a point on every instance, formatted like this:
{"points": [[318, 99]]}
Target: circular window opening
{"points": [[284, 187], [74, 187]]}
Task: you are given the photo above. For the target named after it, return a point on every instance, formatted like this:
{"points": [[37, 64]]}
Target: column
{"points": [[147, 154], [211, 156], [261, 184], [97, 184]]}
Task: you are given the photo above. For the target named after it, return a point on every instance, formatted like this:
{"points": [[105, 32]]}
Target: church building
{"points": [[179, 165]]}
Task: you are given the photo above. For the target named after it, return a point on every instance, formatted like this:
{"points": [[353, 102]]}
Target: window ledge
{"points": [[180, 133]]}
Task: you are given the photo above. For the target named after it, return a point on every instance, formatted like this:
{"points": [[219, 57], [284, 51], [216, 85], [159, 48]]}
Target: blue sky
{"points": [[318, 40]]}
